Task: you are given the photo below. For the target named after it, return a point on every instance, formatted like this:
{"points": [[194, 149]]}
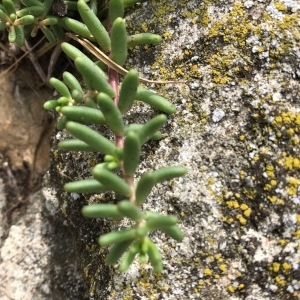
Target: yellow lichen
{"points": [[280, 281], [207, 272], [276, 267], [286, 266], [223, 267]]}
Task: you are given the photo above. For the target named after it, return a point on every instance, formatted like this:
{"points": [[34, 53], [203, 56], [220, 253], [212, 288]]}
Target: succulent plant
{"points": [[99, 98]]}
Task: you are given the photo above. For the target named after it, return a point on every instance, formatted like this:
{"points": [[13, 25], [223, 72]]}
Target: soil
{"points": [[25, 132]]}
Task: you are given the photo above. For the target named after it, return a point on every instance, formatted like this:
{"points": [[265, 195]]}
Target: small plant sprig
{"points": [[101, 99], [29, 16]]}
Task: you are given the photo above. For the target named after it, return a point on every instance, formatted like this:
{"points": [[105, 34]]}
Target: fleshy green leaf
{"points": [[168, 173], [84, 186], [130, 210], [115, 10], [161, 221], [150, 128], [144, 187], [117, 237], [119, 41], [112, 181], [91, 137], [154, 256], [129, 256], [60, 87], [78, 28], [131, 155], [94, 25], [128, 91], [83, 114], [116, 251], [174, 232], [143, 39], [112, 114], [36, 11], [75, 145], [94, 76], [154, 100], [101, 211]]}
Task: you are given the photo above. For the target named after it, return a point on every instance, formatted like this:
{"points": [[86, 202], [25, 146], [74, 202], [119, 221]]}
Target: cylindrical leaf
{"points": [[49, 34], [117, 237], [2, 25], [13, 18], [94, 76], [36, 11], [113, 116], [72, 5], [89, 102], [144, 187], [131, 154], [32, 3], [154, 100], [160, 221], [112, 181], [9, 6], [20, 35], [101, 211], [129, 256], [83, 114], [49, 21], [91, 137], [143, 39], [47, 4], [174, 232], [78, 28], [26, 20], [119, 41], [128, 91], [116, 251], [84, 186], [61, 123], [129, 210], [63, 101], [4, 17], [154, 256], [168, 173], [75, 145], [60, 87], [115, 10], [72, 51], [12, 34], [135, 127], [141, 232], [150, 128], [77, 96], [50, 104], [72, 82], [94, 25], [58, 31]]}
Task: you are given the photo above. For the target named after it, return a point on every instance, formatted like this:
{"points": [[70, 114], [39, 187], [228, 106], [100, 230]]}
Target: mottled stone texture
{"points": [[236, 130]]}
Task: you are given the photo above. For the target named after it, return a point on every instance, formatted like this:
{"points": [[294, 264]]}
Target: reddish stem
{"points": [[113, 78]]}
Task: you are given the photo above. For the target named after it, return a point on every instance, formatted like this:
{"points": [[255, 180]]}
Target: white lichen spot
{"points": [[218, 115]]}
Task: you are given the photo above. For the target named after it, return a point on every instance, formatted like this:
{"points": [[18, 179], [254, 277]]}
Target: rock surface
{"points": [[236, 130]]}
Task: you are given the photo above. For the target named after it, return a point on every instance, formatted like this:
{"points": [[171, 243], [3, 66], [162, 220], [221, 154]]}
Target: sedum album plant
{"points": [[98, 98]]}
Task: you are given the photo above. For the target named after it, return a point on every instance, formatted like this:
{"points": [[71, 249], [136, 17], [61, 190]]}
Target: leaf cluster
{"points": [[98, 98]]}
